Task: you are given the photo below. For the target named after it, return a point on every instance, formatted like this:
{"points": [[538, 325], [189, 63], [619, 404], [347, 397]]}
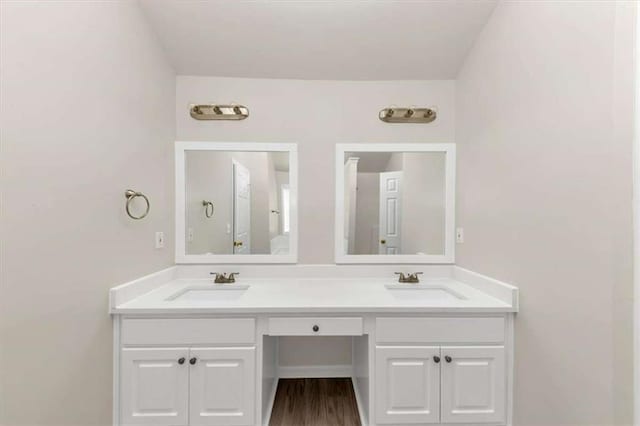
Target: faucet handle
{"points": [[219, 277], [402, 278], [413, 278], [232, 277]]}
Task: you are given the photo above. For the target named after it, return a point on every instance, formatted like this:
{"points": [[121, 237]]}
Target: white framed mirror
{"points": [[236, 202], [395, 203]]}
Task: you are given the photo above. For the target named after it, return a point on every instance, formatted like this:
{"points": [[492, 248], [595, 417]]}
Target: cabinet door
{"points": [[223, 386], [473, 384], [154, 386], [407, 384]]}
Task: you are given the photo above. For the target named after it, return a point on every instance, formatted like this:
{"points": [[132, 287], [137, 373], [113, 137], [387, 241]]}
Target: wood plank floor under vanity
{"points": [[315, 402]]}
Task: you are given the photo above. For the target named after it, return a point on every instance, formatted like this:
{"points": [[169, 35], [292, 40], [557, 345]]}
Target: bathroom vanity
{"points": [[191, 352]]}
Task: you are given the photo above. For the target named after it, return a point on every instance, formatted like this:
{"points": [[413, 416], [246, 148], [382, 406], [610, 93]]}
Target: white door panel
{"points": [[407, 384], [473, 384], [241, 209], [390, 213], [223, 387], [154, 386]]}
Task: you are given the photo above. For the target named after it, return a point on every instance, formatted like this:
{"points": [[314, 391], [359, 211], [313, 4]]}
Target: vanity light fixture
{"points": [[218, 112], [408, 115]]}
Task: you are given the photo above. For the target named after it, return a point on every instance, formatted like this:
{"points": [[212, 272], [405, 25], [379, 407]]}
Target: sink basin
{"points": [[209, 292], [423, 292]]}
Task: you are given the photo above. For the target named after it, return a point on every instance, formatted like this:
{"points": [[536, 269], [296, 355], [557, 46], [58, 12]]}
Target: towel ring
{"points": [[206, 205], [130, 194]]}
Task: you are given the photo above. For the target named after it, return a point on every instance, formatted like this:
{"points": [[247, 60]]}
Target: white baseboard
{"points": [[314, 371]]}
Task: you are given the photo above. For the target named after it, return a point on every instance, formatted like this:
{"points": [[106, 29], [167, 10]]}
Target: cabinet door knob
{"points": [[181, 361], [436, 359], [447, 358], [192, 361], [316, 328]]}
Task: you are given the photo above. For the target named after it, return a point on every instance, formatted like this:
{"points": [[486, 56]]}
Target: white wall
{"points": [[634, 81], [423, 217], [544, 180], [208, 176], [87, 111], [316, 115]]}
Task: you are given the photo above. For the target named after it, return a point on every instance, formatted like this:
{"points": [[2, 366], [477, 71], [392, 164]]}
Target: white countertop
{"points": [[315, 295]]}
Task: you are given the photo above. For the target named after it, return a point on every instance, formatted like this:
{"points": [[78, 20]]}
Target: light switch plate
{"points": [[459, 235], [159, 240]]}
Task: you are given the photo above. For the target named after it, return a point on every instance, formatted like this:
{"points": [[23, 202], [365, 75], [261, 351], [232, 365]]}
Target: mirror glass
{"points": [[395, 203], [237, 202]]}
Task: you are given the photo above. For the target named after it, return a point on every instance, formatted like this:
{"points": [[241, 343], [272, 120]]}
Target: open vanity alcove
{"points": [[188, 351]]}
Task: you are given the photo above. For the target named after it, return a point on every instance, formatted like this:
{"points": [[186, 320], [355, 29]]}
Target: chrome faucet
{"points": [[409, 278], [222, 278]]}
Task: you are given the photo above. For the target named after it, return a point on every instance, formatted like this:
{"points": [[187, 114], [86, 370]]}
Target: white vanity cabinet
{"points": [[213, 358], [419, 379], [442, 369], [420, 384], [187, 371]]}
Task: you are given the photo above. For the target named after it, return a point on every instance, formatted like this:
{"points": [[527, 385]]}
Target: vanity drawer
{"points": [[301, 326], [440, 330], [159, 331]]}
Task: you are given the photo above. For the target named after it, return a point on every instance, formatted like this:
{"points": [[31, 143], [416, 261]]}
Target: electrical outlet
{"points": [[159, 240], [459, 235]]}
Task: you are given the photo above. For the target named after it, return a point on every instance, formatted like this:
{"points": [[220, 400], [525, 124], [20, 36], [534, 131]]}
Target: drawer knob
{"points": [[181, 361], [316, 328], [436, 359], [192, 361], [447, 358]]}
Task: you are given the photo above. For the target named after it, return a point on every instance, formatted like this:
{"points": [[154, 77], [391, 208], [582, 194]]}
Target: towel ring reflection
{"points": [[130, 194], [208, 207]]}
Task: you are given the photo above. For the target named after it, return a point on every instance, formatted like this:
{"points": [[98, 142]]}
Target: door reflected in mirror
{"points": [[237, 202]]}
